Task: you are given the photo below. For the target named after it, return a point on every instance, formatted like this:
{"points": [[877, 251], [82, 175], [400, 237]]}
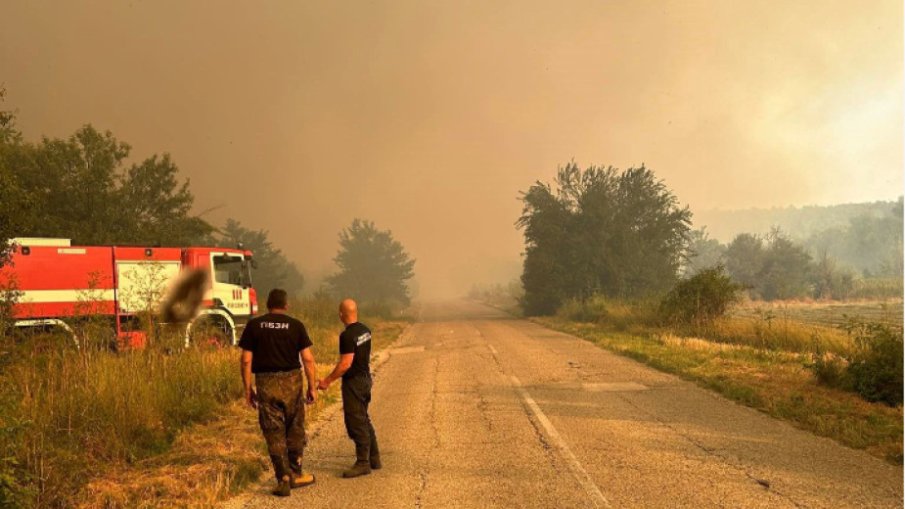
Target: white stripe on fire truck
{"points": [[44, 296]]}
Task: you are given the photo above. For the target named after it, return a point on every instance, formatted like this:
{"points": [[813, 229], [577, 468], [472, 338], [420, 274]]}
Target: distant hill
{"points": [[798, 222]]}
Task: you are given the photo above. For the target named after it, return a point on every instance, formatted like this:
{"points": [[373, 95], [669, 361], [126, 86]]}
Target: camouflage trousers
{"points": [[281, 413]]}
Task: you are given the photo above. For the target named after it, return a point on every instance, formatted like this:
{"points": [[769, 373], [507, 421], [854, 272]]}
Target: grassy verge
{"points": [[211, 461], [158, 427], [775, 381]]}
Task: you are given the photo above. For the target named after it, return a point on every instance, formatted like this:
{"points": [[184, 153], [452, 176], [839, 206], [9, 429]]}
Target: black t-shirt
{"points": [[356, 339], [275, 340]]}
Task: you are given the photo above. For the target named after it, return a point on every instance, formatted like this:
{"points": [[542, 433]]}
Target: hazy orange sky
{"points": [[430, 117]]}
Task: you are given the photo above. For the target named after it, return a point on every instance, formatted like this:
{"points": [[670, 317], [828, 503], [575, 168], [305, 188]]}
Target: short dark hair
{"points": [[277, 299]]}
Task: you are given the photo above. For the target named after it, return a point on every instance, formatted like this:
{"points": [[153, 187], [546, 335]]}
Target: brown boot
{"points": [[375, 463], [359, 468], [282, 489]]}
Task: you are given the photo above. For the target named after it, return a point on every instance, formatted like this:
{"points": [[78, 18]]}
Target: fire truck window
{"points": [[229, 270]]}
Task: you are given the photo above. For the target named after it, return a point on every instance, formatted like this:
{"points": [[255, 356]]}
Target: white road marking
{"points": [[577, 470], [614, 387]]}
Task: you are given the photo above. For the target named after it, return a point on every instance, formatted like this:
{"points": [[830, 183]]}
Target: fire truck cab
{"points": [[56, 281]]}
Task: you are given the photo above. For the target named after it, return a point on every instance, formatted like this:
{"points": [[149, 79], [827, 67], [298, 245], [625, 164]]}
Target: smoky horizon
{"points": [[431, 119]]}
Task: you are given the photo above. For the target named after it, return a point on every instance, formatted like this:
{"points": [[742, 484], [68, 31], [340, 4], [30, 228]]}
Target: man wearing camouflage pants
{"points": [[272, 345]]}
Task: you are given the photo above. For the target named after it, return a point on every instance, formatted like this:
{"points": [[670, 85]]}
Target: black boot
{"points": [[362, 464], [359, 468]]}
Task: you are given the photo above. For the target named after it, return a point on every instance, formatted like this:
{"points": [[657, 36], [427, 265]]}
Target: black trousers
{"points": [[356, 397]]}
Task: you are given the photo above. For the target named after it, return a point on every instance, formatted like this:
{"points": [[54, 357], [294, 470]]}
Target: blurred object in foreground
{"points": [[184, 299]]}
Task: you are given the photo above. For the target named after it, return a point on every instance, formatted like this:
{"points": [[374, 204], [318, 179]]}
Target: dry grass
{"points": [[211, 461], [205, 464], [775, 333], [158, 427], [767, 376]]}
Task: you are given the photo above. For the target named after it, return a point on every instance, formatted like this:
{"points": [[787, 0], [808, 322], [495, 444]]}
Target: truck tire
{"points": [[210, 331]]}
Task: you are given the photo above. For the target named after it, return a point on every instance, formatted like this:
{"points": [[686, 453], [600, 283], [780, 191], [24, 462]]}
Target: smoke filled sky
{"points": [[429, 117]]}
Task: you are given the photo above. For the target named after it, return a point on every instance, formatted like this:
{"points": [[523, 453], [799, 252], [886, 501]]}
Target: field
{"points": [[827, 314]]}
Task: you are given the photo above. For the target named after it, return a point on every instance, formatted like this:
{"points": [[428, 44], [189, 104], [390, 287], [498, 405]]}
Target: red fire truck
{"points": [[57, 281]]}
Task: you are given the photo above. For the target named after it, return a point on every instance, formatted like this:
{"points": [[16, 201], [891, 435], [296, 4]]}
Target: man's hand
{"points": [[312, 395], [323, 384], [251, 397]]}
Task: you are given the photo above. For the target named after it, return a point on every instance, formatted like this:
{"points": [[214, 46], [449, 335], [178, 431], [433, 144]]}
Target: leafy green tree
{"points": [[157, 206], [771, 268], [787, 269], [547, 222], [601, 231], [79, 188], [272, 268], [745, 259], [373, 266], [14, 201]]}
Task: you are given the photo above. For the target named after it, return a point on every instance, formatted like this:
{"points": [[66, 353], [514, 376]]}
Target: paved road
{"points": [[475, 409]]}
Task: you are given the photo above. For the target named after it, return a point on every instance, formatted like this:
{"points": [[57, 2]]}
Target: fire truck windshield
{"points": [[231, 270]]}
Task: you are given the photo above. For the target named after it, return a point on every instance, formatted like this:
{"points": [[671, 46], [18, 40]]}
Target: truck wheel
{"points": [[210, 332]]}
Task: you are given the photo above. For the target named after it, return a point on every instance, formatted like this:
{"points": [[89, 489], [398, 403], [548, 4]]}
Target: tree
{"points": [[787, 271], [272, 268], [771, 268], [869, 242], [745, 259], [13, 200], [373, 267], [78, 188], [157, 206], [703, 252], [601, 231]]}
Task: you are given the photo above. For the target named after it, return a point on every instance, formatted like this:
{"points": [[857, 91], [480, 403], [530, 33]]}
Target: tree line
{"points": [[623, 234], [85, 187], [826, 265]]}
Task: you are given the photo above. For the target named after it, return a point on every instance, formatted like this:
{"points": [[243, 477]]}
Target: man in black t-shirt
{"points": [[354, 368], [271, 347]]}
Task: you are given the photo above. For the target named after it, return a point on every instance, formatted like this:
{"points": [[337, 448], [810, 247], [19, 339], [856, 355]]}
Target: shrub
{"points": [[701, 298], [875, 368], [831, 370]]}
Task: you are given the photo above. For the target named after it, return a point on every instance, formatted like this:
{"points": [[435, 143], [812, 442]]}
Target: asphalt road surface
{"points": [[475, 409]]}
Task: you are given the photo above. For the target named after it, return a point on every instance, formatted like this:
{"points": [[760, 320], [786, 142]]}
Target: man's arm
{"points": [[245, 365], [311, 374], [345, 362]]}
